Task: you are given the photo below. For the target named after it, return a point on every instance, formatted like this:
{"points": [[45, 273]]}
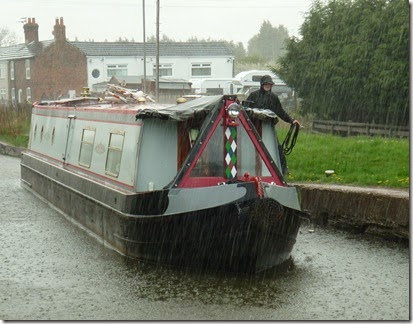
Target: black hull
{"points": [[249, 237], [226, 238]]}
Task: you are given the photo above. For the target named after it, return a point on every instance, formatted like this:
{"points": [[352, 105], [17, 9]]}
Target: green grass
{"points": [[359, 160], [18, 141], [15, 124]]}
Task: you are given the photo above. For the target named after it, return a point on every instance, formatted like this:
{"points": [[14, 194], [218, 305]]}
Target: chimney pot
{"points": [[31, 31], [59, 30]]}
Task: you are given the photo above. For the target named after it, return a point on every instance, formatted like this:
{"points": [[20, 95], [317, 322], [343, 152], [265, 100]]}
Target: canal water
{"points": [[51, 270]]}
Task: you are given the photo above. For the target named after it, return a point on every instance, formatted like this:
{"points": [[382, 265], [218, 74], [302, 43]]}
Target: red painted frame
{"points": [[196, 182]]}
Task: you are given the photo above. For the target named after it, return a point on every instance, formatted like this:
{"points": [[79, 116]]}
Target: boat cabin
{"points": [[146, 147]]}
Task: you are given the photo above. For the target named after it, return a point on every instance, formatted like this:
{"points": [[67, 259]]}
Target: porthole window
{"points": [[95, 73]]}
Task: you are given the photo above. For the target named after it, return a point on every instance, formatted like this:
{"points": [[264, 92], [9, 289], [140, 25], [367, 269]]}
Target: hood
{"points": [[266, 79]]}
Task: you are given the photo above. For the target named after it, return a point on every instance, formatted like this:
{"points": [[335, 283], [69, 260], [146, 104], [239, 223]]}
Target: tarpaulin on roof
{"points": [[184, 111], [197, 108]]}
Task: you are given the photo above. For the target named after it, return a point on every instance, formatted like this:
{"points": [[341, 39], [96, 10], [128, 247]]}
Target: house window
{"points": [[27, 69], [86, 147], [12, 70], [114, 153], [28, 94], [3, 69], [20, 96], [117, 70], [164, 70], [201, 69], [3, 94], [95, 73], [13, 94]]}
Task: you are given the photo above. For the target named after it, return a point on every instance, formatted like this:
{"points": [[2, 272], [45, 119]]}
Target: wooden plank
{"points": [[351, 128]]}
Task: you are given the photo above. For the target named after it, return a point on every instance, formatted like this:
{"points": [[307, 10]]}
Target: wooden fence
{"points": [[350, 129]]}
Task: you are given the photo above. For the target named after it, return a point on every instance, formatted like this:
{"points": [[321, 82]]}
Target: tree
{"points": [[7, 37], [352, 62], [269, 42], [165, 39]]}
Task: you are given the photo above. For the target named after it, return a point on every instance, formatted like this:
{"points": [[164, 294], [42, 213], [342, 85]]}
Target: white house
{"points": [[177, 60]]}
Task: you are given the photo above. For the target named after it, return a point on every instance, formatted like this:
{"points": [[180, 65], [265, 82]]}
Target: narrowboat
{"points": [[194, 185]]}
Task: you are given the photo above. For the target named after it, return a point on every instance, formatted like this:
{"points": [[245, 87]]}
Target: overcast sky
{"points": [[100, 20]]}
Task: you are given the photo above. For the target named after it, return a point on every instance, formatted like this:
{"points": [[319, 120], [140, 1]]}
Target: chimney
{"points": [[59, 30], [31, 31]]}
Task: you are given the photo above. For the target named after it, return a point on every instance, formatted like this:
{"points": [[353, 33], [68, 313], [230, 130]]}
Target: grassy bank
{"points": [[360, 160], [15, 124]]}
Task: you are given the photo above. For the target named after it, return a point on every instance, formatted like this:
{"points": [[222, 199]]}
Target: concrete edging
{"points": [[7, 149], [378, 211]]}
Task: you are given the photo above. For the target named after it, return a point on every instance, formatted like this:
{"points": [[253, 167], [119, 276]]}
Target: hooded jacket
{"points": [[268, 100]]}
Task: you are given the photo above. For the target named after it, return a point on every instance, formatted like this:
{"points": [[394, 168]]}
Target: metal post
{"points": [[144, 47], [157, 49]]}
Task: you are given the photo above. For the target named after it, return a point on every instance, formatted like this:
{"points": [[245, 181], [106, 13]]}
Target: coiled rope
{"points": [[289, 142]]}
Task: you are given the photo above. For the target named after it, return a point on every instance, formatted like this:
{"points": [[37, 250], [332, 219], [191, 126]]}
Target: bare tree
{"points": [[7, 37]]}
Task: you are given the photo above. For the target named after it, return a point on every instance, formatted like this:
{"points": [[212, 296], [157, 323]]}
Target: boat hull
{"points": [[245, 236]]}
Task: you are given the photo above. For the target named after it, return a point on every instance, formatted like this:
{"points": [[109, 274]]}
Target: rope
{"points": [[289, 143], [259, 187]]}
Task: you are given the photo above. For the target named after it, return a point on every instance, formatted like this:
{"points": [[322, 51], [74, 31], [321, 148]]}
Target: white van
{"points": [[212, 86], [247, 81]]}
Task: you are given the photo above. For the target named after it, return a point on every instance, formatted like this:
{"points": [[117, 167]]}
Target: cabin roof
{"points": [[196, 108]]}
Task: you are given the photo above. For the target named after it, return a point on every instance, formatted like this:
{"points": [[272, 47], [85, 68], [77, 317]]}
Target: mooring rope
{"points": [[289, 143]]}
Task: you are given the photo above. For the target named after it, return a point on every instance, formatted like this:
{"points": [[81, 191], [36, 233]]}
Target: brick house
{"points": [[51, 69], [41, 70]]}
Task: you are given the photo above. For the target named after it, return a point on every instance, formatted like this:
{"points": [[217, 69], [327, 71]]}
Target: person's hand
{"points": [[296, 122]]}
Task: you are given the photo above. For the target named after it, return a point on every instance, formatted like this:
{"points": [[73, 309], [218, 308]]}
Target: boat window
{"points": [[86, 147], [113, 158], [211, 161], [248, 157], [53, 134], [230, 154], [187, 133], [41, 134], [35, 132]]}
